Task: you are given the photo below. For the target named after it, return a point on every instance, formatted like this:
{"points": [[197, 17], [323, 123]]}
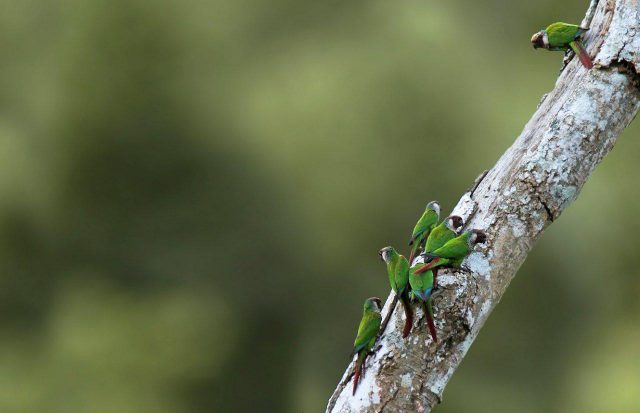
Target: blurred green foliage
{"points": [[193, 194]]}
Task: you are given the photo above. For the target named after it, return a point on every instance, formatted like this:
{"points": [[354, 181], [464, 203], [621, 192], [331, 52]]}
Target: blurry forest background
{"points": [[193, 195]]}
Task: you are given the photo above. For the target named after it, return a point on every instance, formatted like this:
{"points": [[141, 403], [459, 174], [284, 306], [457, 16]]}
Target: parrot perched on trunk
{"points": [[445, 231], [440, 235], [454, 251], [398, 272], [561, 36], [366, 338], [423, 227], [422, 287]]}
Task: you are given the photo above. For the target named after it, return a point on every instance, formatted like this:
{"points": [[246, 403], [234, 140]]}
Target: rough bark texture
{"points": [[575, 126]]}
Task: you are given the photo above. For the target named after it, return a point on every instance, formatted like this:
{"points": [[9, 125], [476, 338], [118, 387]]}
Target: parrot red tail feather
{"points": [[430, 324], [428, 266], [358, 370], [582, 54], [409, 317]]}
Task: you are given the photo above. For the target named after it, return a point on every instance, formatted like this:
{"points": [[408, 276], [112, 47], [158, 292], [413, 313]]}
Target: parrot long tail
{"points": [[428, 312], [408, 314], [358, 369], [582, 54]]}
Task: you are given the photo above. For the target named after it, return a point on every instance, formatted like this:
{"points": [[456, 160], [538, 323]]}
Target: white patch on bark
{"points": [[478, 264]]}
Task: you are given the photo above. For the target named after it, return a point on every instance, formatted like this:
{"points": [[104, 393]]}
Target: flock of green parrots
{"points": [[439, 244]]}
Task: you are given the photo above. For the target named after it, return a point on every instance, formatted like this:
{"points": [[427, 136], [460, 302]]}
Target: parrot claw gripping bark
{"points": [[423, 228], [398, 272], [366, 338], [454, 251], [563, 36]]}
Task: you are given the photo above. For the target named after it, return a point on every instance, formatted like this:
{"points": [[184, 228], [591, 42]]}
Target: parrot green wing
{"points": [[454, 249], [402, 274], [561, 34], [416, 280], [391, 272], [367, 331], [421, 284], [438, 237], [425, 223]]}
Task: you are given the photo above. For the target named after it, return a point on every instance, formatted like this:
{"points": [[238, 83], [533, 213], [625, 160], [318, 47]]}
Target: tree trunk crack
{"points": [[628, 68], [386, 402], [477, 182], [547, 209]]}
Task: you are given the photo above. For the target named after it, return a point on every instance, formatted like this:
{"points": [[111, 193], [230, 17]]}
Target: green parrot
{"points": [[454, 251], [423, 227], [561, 36], [398, 272], [422, 287], [445, 231], [366, 338]]}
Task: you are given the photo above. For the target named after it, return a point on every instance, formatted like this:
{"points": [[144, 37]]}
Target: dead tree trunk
{"points": [[574, 127]]}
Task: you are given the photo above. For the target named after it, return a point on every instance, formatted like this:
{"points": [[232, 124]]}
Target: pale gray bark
{"points": [[574, 127]]}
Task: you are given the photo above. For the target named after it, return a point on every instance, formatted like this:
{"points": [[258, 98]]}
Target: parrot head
{"points": [[454, 222], [540, 39], [435, 205], [477, 237], [387, 253], [373, 304]]}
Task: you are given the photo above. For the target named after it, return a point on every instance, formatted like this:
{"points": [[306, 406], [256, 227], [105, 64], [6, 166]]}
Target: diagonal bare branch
{"points": [[573, 128]]}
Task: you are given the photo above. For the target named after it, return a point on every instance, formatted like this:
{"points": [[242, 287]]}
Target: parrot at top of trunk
{"points": [[398, 272], [445, 231], [423, 227], [422, 287], [454, 251], [561, 36], [366, 338]]}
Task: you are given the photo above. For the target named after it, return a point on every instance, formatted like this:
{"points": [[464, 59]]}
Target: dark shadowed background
{"points": [[193, 194]]}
